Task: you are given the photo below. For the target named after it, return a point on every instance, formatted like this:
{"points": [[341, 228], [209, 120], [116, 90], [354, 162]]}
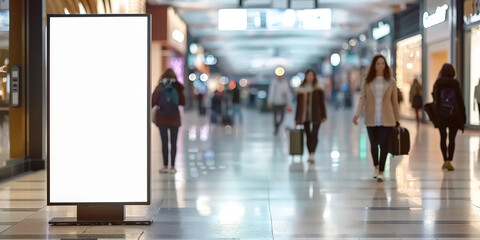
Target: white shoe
{"points": [[164, 170], [173, 170], [380, 178], [375, 173], [311, 158]]}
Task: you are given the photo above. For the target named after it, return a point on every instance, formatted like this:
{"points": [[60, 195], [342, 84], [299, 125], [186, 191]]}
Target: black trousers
{"points": [[278, 111], [311, 132], [379, 143], [173, 142], [447, 151]]}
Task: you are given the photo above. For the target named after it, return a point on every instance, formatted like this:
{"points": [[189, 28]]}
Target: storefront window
{"points": [[4, 83], [409, 67], [474, 77]]}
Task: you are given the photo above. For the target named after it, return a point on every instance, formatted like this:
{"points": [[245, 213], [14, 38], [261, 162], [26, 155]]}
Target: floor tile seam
{"points": [[269, 206], [10, 226], [320, 188], [7, 223], [24, 181], [22, 200], [383, 235], [306, 199], [27, 217], [475, 205], [23, 189], [60, 236]]}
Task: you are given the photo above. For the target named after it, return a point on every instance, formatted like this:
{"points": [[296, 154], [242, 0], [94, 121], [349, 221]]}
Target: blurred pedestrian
{"points": [[201, 104], [379, 100], [216, 108], [311, 110], [237, 107], [450, 111], [279, 97], [168, 96], [416, 98], [477, 97]]}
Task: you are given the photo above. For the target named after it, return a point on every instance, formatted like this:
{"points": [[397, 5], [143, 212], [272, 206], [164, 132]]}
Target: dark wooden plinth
{"points": [[99, 215]]}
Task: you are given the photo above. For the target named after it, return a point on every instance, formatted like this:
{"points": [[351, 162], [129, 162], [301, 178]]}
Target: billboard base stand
{"points": [[88, 214]]}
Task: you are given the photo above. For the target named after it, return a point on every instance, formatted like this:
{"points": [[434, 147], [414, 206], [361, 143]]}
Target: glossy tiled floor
{"points": [[240, 183]]}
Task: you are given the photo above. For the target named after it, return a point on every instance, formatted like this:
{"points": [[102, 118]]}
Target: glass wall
{"points": [[474, 81], [4, 83], [409, 67]]}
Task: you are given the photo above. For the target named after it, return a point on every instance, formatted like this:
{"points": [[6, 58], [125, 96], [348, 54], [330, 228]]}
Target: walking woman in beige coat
{"points": [[379, 100], [310, 110]]}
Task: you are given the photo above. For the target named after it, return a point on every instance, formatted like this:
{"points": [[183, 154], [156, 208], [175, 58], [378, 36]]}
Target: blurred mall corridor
{"points": [[241, 183]]}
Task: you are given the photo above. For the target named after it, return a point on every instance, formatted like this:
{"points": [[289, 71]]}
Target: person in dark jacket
{"points": [[311, 110], [171, 122], [448, 118], [237, 107], [416, 98], [216, 108]]}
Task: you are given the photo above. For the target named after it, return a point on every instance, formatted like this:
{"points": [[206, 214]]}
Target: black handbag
{"points": [[431, 110]]}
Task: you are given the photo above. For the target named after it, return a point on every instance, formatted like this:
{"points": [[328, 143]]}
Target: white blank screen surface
{"points": [[98, 103]]}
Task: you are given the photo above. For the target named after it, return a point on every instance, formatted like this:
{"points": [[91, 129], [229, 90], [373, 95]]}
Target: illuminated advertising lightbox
{"points": [[98, 109]]}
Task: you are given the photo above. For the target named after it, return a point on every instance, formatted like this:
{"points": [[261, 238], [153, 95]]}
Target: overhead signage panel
{"points": [[274, 19]]}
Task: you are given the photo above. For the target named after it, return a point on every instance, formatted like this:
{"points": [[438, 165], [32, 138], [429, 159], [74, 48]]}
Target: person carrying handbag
{"points": [[449, 111], [379, 100], [311, 110]]}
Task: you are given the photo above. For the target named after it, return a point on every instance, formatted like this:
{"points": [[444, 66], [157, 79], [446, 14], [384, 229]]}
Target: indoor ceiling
{"points": [[251, 51]]}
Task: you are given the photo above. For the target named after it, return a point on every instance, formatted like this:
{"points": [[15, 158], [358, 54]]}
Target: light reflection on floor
{"points": [[240, 182]]}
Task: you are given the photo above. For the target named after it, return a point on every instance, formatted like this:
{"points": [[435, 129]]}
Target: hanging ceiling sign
{"points": [[438, 17], [381, 31], [274, 19]]}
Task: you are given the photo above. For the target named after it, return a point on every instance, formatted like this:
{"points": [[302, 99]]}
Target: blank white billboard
{"points": [[98, 109]]}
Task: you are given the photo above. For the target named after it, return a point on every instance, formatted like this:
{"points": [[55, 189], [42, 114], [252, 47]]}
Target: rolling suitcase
{"points": [[296, 142], [400, 141]]}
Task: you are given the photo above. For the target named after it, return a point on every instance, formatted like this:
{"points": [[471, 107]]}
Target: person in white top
{"points": [[379, 99], [279, 97], [477, 96]]}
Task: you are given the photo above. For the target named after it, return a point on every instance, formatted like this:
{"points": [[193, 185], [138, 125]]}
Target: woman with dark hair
{"points": [[416, 98], [310, 110], [168, 96], [450, 111], [379, 100]]}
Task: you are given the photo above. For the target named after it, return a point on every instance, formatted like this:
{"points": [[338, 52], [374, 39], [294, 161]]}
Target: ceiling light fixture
{"points": [[279, 71], [204, 77], [335, 59], [178, 36], [352, 42], [193, 48], [362, 37], [192, 77]]}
